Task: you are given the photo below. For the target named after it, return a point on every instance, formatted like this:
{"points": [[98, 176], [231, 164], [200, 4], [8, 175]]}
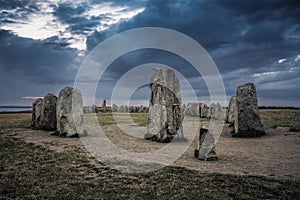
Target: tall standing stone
{"points": [[165, 117], [204, 110], [216, 111], [231, 110], [121, 108], [69, 112], [126, 108], [247, 121], [104, 106], [36, 113], [94, 108], [48, 113]]}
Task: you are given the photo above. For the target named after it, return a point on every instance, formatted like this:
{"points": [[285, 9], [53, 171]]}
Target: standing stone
{"points": [[104, 106], [36, 113], [217, 112], [141, 109], [183, 108], [192, 109], [114, 108], [48, 113], [87, 109], [206, 146], [121, 108], [132, 109], [204, 110], [247, 121], [231, 110], [126, 108], [94, 108], [165, 117], [69, 112]]}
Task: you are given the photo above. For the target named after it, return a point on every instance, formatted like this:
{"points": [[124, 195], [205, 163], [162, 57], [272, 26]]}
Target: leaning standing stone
{"points": [[121, 108], [206, 146], [247, 121], [165, 118], [69, 113], [36, 113], [48, 113]]}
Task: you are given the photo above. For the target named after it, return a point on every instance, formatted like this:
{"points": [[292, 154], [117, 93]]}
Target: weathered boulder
{"points": [[206, 146], [114, 108], [204, 110], [48, 113], [103, 108], [247, 121], [121, 108], [69, 112], [216, 111], [165, 117], [192, 109], [231, 110], [36, 113]]}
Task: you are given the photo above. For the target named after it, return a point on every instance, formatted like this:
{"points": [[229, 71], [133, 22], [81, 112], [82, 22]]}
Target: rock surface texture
{"points": [[231, 110], [247, 121], [165, 117], [192, 109], [217, 112], [48, 113], [206, 146], [36, 113], [204, 110], [69, 112]]}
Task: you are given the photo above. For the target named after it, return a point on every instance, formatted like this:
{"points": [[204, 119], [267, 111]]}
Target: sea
{"points": [[15, 108]]}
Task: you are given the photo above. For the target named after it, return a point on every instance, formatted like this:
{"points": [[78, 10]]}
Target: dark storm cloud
{"points": [[35, 61], [249, 35], [246, 39]]}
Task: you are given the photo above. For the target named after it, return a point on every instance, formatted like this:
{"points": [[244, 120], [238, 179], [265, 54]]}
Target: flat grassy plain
{"points": [[33, 171]]}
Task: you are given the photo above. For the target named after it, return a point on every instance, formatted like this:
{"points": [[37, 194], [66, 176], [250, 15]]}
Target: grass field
{"points": [[31, 171]]}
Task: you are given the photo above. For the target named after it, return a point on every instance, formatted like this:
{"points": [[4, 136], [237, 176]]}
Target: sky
{"points": [[44, 42]]}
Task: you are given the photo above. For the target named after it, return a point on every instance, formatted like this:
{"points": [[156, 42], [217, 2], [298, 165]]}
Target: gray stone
{"points": [[90, 109], [141, 109], [231, 110], [95, 108], [126, 108], [114, 108], [36, 113], [206, 146], [103, 108], [216, 111], [247, 121], [121, 108], [204, 110], [69, 113], [165, 117], [132, 109], [183, 108], [48, 113], [192, 109]]}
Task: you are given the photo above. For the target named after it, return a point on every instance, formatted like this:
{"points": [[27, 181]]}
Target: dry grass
{"points": [[30, 171]]}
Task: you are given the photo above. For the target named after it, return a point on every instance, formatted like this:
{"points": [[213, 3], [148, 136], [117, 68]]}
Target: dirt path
{"points": [[276, 155]]}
